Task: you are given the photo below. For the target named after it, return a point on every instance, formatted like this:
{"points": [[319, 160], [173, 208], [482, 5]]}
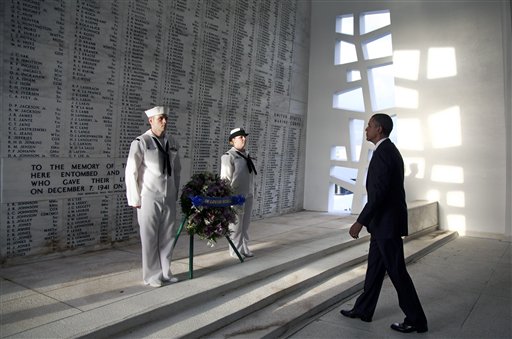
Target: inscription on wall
{"points": [[77, 77]]}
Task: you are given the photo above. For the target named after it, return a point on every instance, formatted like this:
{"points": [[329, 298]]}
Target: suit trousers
{"points": [[387, 255], [157, 221]]}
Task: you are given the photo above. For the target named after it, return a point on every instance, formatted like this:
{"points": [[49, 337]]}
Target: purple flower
{"points": [[208, 222]]}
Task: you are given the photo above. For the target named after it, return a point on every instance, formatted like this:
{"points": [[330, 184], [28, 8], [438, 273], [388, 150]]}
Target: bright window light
{"points": [[445, 128], [406, 97], [369, 153], [456, 222], [378, 48], [382, 85], [351, 100], [455, 199], [339, 153], [353, 75], [345, 24], [441, 63], [356, 131], [414, 167], [410, 134], [372, 21], [406, 64], [433, 195], [344, 53], [450, 174], [341, 201], [394, 133], [374, 34]]}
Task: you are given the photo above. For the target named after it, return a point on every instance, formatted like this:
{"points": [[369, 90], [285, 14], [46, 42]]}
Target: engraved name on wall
{"points": [[77, 76]]}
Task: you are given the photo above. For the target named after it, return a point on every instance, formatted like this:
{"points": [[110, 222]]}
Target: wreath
{"points": [[207, 203]]}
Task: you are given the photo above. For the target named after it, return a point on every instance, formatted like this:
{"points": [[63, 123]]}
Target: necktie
{"points": [[165, 153], [250, 164]]}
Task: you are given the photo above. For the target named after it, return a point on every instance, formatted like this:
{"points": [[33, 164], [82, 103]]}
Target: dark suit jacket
{"points": [[385, 213]]}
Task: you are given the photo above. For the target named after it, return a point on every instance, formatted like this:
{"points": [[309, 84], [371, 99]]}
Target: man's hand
{"points": [[355, 229]]}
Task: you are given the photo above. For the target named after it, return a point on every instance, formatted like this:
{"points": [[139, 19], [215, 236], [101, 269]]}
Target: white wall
{"points": [[479, 91]]}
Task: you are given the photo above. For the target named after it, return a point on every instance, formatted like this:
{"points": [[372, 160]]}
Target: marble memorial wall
{"points": [[77, 76]]}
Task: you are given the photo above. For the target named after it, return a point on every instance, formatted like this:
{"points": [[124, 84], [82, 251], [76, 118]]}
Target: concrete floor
{"points": [[465, 288]]}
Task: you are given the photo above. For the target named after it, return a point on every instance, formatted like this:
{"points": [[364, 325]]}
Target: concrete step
{"points": [[289, 314], [280, 301], [242, 289], [214, 276], [293, 253]]}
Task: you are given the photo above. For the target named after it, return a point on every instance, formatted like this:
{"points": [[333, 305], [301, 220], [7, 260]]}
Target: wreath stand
{"points": [[191, 241]]}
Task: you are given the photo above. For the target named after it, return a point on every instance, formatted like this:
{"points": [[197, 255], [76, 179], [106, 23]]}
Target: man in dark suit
{"points": [[385, 218]]}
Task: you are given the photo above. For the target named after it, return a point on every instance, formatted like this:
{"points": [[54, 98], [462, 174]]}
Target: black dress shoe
{"points": [[353, 314], [404, 328]]}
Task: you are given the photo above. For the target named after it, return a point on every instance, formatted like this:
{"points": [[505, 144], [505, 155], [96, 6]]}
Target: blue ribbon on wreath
{"points": [[199, 201]]}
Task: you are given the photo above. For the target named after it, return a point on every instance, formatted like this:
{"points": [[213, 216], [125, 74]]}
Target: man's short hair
{"points": [[384, 121]]}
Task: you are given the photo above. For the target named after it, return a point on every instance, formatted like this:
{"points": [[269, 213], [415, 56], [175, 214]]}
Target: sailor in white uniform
{"points": [[152, 180], [237, 166]]}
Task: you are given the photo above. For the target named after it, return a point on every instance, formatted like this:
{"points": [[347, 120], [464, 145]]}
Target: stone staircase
{"points": [[278, 298], [273, 300], [280, 288], [322, 284]]}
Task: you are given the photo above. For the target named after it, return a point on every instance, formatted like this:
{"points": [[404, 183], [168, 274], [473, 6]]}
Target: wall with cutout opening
{"points": [[449, 70]]}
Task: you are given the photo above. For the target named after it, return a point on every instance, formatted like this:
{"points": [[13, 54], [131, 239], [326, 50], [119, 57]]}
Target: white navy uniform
{"points": [[149, 186], [235, 169]]}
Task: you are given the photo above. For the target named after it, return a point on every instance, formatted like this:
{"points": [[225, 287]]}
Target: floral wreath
{"points": [[207, 203]]}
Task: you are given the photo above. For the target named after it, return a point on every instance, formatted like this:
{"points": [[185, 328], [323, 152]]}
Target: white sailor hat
{"points": [[157, 110], [236, 132]]}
